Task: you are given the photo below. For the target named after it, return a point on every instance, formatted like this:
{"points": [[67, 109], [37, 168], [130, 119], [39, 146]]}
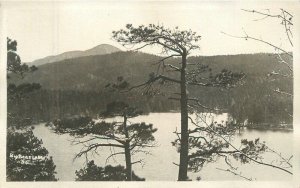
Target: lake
{"points": [[159, 165]]}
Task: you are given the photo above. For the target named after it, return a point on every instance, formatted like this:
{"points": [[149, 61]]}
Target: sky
{"points": [[50, 28]]}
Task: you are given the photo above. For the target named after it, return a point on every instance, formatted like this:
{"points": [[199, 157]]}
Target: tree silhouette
{"points": [[26, 159], [176, 43], [131, 138], [209, 142], [14, 64]]}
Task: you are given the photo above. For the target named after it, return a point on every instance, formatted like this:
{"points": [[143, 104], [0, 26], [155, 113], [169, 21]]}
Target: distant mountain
{"points": [[98, 50]]}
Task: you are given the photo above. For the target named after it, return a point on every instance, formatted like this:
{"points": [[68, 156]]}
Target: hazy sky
{"points": [[51, 28]]}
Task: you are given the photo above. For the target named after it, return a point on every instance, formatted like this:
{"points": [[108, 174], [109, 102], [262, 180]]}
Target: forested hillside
{"points": [[77, 86]]}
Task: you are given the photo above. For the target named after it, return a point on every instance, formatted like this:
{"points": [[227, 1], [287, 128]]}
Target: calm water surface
{"points": [[159, 164]]}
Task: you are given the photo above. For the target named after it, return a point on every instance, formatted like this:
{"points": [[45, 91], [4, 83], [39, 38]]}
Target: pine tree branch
{"points": [[114, 154], [270, 15], [284, 62], [152, 80], [174, 67], [246, 37], [234, 173], [248, 157], [95, 146]]}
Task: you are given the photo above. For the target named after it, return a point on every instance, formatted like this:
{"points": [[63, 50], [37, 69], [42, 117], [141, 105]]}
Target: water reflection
{"points": [[160, 164]]}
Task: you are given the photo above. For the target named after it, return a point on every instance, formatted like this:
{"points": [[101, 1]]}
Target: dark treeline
{"points": [[45, 105], [77, 86], [253, 104]]}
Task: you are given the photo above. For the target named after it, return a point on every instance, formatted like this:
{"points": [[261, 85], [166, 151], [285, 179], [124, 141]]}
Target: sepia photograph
{"points": [[149, 91]]}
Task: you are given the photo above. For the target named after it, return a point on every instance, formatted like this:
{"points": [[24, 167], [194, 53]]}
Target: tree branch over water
{"points": [[238, 150]]}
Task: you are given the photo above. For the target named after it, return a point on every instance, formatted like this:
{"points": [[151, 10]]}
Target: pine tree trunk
{"points": [[183, 164], [127, 153], [128, 162]]}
